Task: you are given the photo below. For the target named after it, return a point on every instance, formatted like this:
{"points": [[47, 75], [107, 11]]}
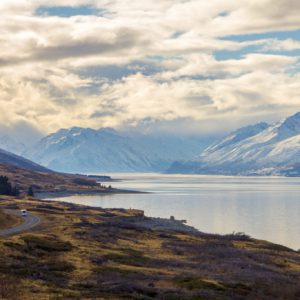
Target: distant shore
{"points": [[68, 193]]}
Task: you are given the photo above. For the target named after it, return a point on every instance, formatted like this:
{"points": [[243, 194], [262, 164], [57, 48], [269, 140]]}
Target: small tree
{"points": [[15, 191], [5, 186], [30, 192]]}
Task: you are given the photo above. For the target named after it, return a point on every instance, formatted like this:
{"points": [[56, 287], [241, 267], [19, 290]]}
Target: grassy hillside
{"points": [[43, 181], [88, 253], [7, 221], [11, 159]]}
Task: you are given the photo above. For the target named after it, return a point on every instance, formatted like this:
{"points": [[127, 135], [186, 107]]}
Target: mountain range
{"points": [[260, 149], [88, 150]]}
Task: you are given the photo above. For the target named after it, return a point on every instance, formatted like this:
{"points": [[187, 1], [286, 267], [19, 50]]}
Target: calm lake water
{"points": [[265, 208]]}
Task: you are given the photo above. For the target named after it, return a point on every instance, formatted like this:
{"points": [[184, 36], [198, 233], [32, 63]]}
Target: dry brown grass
{"points": [[7, 221], [85, 253], [43, 182], [10, 287]]}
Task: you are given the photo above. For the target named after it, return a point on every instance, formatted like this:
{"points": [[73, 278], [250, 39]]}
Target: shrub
{"points": [[46, 243], [192, 283], [86, 182], [5, 186], [30, 192]]}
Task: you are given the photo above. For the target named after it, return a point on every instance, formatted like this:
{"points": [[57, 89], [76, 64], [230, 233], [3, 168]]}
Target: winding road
{"points": [[29, 222]]}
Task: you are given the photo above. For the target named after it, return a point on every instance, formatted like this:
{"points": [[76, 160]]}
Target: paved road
{"points": [[29, 222]]}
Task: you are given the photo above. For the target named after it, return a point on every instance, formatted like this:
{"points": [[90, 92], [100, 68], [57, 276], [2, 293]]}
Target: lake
{"points": [[264, 207]]}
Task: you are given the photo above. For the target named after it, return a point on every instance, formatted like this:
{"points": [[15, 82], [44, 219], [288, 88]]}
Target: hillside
{"points": [[81, 252], [260, 149], [52, 182], [7, 221], [107, 150], [11, 159]]}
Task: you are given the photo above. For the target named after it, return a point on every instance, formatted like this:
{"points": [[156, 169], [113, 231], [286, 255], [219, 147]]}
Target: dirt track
{"points": [[29, 222]]}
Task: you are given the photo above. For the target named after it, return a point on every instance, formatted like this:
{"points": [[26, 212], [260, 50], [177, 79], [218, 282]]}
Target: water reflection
{"points": [[265, 208]]}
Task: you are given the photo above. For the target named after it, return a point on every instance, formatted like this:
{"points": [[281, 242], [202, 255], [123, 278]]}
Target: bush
{"points": [[192, 283], [5, 186], [86, 182], [15, 191], [30, 192], [46, 243]]}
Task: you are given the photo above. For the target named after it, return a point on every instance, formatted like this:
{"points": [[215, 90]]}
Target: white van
{"points": [[23, 212]]}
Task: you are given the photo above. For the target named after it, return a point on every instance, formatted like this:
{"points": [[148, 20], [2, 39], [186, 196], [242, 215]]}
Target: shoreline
{"points": [[154, 223], [145, 222], [149, 222], [84, 252], [68, 193]]}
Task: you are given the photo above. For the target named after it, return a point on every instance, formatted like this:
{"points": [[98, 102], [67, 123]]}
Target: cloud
{"points": [[138, 97], [207, 66], [146, 60], [281, 45]]}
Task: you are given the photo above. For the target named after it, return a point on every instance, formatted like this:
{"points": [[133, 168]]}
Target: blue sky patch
{"points": [[177, 34], [225, 55], [223, 14], [114, 72], [68, 11], [280, 35]]}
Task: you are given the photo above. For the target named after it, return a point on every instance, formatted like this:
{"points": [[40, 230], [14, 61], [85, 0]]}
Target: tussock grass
{"points": [[7, 221], [84, 253], [46, 243]]}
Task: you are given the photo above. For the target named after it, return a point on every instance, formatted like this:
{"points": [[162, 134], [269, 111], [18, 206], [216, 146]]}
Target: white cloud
{"points": [[42, 60], [281, 45], [206, 65]]}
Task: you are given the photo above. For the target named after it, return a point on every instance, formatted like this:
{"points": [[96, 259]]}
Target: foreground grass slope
{"points": [[85, 253], [7, 221]]}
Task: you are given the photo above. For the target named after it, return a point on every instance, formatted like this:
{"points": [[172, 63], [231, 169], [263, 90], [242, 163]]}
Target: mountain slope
{"points": [[258, 149], [9, 144], [18, 137], [107, 150], [10, 159]]}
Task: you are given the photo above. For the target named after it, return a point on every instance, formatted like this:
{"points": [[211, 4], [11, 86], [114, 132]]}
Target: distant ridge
{"points": [[10, 159], [259, 149], [87, 150]]}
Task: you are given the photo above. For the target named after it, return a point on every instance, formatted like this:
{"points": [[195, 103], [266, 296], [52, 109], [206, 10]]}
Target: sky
{"points": [[184, 66]]}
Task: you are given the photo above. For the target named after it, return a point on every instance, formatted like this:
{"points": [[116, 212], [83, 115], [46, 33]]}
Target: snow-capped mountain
{"points": [[107, 150], [258, 149]]}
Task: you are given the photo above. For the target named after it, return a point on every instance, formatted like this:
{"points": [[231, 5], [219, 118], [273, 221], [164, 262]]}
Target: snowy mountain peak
{"points": [[258, 149], [238, 135], [107, 130], [252, 129], [107, 150], [291, 124]]}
